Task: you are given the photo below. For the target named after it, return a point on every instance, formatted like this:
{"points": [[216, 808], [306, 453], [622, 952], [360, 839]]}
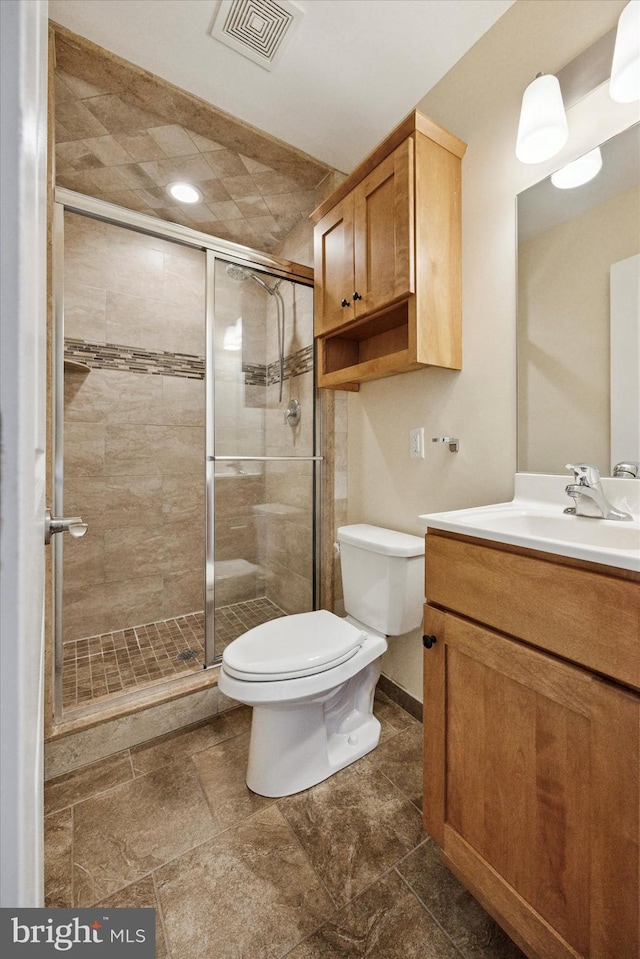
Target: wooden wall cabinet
{"points": [[387, 260], [532, 760]]}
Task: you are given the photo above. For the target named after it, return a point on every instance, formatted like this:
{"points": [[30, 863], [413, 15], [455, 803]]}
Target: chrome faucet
{"points": [[588, 495]]}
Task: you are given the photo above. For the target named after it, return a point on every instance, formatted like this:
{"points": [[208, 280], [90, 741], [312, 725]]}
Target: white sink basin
{"points": [[535, 519]]}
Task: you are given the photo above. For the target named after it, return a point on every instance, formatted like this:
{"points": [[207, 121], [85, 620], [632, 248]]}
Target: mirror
{"points": [[578, 328]]}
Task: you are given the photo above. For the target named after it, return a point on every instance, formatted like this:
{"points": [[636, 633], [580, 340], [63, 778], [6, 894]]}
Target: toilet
{"points": [[311, 677]]}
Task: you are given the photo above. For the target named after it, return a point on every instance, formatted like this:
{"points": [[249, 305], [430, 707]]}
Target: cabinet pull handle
{"points": [[357, 296], [429, 641], [345, 303]]}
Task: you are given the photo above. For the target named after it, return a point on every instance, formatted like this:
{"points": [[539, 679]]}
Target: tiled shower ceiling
{"points": [[122, 135]]}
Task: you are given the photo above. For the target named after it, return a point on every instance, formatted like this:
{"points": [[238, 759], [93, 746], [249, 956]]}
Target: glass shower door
{"points": [[264, 450], [129, 460]]}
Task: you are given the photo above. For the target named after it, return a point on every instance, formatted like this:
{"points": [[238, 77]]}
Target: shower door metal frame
{"points": [[213, 248], [211, 458]]}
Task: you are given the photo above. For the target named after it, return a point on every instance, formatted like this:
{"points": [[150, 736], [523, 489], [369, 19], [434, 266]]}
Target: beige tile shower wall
{"points": [[134, 442], [286, 522], [239, 430]]}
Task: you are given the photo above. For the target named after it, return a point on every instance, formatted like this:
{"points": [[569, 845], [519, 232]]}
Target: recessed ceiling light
{"points": [[184, 192], [579, 171]]}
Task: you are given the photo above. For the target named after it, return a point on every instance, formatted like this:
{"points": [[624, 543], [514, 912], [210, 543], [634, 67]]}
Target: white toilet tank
{"points": [[382, 577]]}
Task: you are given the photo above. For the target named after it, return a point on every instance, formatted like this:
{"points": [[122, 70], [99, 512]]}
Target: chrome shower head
{"points": [[240, 274], [237, 272]]}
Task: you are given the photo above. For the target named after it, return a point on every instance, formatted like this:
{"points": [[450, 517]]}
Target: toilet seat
{"points": [[294, 646]]}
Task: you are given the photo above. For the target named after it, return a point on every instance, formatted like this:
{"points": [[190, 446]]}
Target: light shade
{"points": [[184, 192], [579, 171], [624, 86], [542, 130]]}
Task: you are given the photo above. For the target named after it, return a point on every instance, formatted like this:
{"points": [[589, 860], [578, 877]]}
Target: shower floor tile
{"points": [[140, 656], [233, 621]]}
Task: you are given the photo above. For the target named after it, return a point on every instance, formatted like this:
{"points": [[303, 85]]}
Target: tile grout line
{"points": [[424, 905], [306, 856], [365, 889], [160, 912]]}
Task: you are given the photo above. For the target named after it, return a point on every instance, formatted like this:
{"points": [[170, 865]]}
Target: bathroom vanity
{"points": [[532, 734]]}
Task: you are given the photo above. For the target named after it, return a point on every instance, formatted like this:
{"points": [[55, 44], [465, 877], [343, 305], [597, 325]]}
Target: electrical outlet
{"points": [[416, 444]]}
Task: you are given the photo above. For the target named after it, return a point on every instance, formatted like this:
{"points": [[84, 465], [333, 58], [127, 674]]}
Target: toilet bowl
{"points": [[311, 677]]}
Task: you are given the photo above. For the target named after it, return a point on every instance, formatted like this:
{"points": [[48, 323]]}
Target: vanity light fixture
{"points": [[542, 130], [579, 171], [624, 86], [184, 192]]}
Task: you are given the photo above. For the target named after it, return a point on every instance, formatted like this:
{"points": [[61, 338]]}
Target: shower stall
{"points": [[186, 437]]}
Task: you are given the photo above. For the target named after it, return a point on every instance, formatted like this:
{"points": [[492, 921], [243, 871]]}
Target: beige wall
{"points": [[479, 101], [563, 341]]}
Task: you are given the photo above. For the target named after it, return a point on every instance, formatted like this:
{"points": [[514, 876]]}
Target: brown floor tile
{"points": [[222, 771], [353, 827], [179, 745], [400, 759], [122, 835], [248, 892], [474, 933], [85, 782], [385, 922], [58, 863], [393, 718], [239, 718], [140, 895]]}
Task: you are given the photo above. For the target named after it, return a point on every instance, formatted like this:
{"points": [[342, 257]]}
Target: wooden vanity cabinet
{"points": [[387, 260], [363, 245], [532, 761]]}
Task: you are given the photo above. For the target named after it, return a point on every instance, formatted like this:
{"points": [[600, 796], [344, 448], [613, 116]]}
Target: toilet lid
{"points": [[298, 645]]}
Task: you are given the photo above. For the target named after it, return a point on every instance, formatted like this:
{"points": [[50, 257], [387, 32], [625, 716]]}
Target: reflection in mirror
{"points": [[578, 272]]}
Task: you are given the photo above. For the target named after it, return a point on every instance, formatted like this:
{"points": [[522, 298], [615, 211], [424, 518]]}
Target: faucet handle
{"points": [[585, 474], [626, 470]]}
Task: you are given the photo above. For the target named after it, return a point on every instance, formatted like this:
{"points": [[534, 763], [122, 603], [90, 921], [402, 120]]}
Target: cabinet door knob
{"points": [[429, 641], [357, 296], [345, 303]]}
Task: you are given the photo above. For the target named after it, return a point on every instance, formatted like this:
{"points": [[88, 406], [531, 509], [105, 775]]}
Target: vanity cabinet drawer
{"points": [[585, 616]]}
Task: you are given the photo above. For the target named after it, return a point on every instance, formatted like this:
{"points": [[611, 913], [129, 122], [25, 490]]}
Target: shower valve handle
{"points": [[70, 524]]}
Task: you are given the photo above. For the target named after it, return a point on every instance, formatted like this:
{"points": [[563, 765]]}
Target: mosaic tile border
{"points": [[130, 359], [115, 356], [296, 364]]}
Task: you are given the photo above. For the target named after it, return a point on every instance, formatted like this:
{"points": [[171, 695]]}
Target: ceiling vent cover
{"points": [[258, 29]]}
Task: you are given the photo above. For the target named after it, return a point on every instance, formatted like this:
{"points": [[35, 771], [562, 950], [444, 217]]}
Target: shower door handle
{"points": [[55, 524]]}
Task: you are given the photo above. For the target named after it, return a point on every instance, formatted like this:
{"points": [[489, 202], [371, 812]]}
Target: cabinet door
{"points": [[384, 232], [333, 256], [532, 790]]}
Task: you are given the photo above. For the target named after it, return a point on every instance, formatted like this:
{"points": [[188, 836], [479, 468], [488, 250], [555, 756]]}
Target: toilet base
{"points": [[296, 745]]}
